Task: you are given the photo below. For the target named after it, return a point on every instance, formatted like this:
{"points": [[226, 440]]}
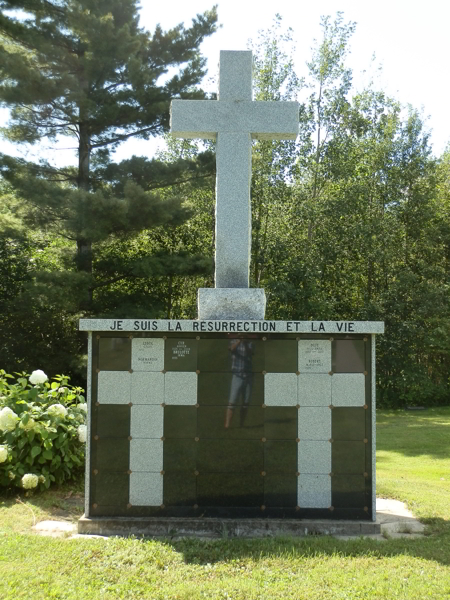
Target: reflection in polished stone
{"points": [[241, 352], [349, 356], [247, 423], [180, 455], [214, 389], [348, 457], [233, 489], [111, 420], [349, 424], [230, 456], [180, 422], [114, 354], [280, 423], [280, 356]]}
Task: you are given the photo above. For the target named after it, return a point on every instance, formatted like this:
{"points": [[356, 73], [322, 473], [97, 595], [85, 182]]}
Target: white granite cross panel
{"points": [[280, 389], [348, 389], [314, 423], [180, 388], [114, 387], [314, 491]]}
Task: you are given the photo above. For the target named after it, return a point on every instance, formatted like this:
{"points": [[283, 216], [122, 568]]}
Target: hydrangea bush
{"points": [[42, 430]]}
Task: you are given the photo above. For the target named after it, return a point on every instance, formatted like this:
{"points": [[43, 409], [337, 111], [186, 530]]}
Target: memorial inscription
{"points": [[147, 354], [314, 356]]}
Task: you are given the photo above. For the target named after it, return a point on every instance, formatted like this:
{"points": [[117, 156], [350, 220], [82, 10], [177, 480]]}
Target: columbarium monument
{"points": [[269, 425]]}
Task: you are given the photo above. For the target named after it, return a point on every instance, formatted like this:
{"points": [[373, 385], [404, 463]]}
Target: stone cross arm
{"points": [[207, 118]]}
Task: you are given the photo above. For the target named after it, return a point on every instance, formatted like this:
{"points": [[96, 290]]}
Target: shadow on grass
{"points": [[415, 433], [434, 548], [64, 502]]}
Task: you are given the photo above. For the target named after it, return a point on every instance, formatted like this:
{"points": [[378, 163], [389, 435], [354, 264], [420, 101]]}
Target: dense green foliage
{"points": [[349, 222], [42, 430]]}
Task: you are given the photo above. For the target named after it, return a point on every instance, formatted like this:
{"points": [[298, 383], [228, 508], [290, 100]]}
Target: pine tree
{"points": [[85, 69]]}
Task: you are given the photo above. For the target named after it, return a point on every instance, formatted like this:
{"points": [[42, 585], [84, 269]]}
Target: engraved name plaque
{"points": [[147, 354], [314, 356]]}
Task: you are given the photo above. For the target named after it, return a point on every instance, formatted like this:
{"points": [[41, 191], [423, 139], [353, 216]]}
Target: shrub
{"points": [[42, 430]]}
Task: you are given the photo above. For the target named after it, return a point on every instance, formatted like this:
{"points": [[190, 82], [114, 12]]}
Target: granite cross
{"points": [[233, 121]]}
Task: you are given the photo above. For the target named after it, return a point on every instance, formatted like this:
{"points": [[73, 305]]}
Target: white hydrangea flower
{"points": [[62, 390], [37, 377], [30, 424], [3, 454], [41, 479], [30, 481], [8, 419], [57, 410], [82, 433], [83, 406]]}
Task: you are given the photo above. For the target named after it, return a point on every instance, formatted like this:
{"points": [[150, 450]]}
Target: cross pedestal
{"points": [[233, 121]]}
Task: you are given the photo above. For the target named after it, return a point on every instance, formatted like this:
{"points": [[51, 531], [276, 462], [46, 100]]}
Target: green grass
{"points": [[413, 466], [413, 462]]}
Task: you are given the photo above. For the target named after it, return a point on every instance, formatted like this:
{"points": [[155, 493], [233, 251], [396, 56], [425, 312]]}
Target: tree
{"points": [[83, 68], [349, 223], [274, 79], [86, 70]]}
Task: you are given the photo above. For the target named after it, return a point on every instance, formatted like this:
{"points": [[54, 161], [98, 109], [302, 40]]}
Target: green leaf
{"points": [[33, 393], [35, 450], [55, 385], [47, 454]]}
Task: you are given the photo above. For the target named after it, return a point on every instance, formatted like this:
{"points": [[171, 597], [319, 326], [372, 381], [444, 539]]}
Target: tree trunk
{"points": [[84, 246]]}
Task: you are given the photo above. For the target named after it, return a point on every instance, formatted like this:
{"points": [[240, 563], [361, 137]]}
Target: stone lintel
{"points": [[231, 303], [232, 325]]}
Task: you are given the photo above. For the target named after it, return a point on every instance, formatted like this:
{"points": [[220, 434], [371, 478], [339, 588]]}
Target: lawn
{"points": [[413, 465]]}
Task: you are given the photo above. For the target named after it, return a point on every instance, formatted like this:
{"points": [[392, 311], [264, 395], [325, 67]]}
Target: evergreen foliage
{"points": [[86, 70]]}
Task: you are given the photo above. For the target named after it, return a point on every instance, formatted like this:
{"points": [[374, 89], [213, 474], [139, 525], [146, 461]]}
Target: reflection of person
{"points": [[241, 380]]}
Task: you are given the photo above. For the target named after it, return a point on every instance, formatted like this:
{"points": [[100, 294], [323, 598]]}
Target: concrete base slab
{"points": [[55, 528], [393, 521], [230, 304], [396, 520], [221, 528]]}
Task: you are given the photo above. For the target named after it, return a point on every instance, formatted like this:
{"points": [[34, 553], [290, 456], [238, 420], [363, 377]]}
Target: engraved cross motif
{"points": [[233, 121]]}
